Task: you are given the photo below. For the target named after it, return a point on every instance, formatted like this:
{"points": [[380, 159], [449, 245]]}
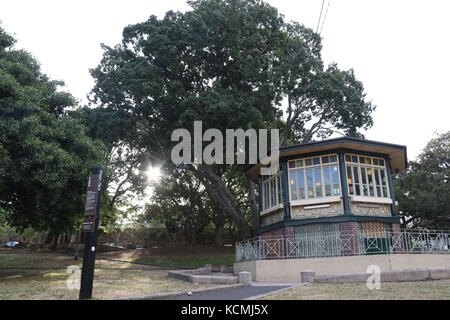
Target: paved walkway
{"points": [[254, 291]]}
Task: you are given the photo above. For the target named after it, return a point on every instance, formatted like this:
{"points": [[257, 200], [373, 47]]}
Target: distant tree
{"points": [[125, 179], [181, 202], [229, 64], [45, 154], [423, 190]]}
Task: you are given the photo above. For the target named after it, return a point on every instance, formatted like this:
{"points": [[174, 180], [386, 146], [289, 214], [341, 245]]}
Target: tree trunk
{"points": [[218, 238], [117, 238], [77, 241], [49, 237], [253, 207], [189, 231], [55, 241], [220, 194], [193, 237]]}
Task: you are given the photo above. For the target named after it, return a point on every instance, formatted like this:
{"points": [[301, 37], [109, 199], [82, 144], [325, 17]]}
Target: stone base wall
{"points": [[289, 270]]}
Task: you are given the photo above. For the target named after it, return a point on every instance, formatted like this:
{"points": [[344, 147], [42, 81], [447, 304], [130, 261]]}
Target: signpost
{"points": [[90, 228]]}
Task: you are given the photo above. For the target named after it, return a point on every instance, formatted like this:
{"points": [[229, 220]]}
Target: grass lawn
{"points": [[198, 261], [22, 258], [111, 279], [179, 257], [421, 290]]}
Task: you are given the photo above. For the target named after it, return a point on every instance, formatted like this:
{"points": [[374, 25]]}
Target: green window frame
{"points": [[314, 177], [272, 191], [366, 176]]}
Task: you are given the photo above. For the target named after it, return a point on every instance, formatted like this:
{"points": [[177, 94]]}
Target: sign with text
{"points": [[91, 195], [88, 224]]}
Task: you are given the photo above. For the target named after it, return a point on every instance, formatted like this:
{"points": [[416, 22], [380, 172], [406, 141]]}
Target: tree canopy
{"points": [[423, 190], [45, 154], [230, 64]]}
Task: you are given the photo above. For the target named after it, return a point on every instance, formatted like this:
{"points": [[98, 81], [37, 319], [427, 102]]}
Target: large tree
{"points": [[231, 64], [423, 190], [45, 154]]}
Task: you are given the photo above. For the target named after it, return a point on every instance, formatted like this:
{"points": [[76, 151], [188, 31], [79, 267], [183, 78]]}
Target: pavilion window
{"points": [[318, 182], [266, 195], [297, 183], [366, 176], [331, 181], [272, 191], [279, 189], [365, 186], [350, 181], [315, 177], [335, 180], [310, 183], [327, 181]]}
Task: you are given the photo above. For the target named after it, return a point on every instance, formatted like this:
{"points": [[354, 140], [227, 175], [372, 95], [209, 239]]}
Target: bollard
{"points": [[245, 277], [308, 276], [208, 268]]}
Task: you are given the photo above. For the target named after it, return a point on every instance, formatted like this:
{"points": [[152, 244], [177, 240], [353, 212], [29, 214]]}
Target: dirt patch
{"points": [[440, 281], [111, 279]]}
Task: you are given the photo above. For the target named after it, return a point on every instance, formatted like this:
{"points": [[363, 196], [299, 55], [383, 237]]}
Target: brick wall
{"points": [[397, 238], [396, 227], [349, 236], [274, 244], [272, 234], [349, 227], [287, 232]]}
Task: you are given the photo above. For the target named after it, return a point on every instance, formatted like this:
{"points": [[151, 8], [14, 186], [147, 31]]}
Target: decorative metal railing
{"points": [[337, 244]]}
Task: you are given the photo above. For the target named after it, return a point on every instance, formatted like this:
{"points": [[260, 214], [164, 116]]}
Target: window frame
{"points": [[363, 167], [304, 168], [268, 182]]}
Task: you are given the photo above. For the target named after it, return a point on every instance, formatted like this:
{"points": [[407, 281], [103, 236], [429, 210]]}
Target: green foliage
{"points": [[204, 65], [8, 233], [45, 154], [423, 191], [230, 64]]}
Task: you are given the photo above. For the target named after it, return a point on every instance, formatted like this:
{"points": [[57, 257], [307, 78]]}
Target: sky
{"points": [[399, 49]]}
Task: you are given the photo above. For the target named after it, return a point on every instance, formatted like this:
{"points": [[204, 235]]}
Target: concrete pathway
{"points": [[257, 290]]}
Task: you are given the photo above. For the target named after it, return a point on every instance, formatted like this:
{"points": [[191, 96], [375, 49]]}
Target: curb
{"points": [[194, 276], [161, 296], [275, 291], [405, 275]]}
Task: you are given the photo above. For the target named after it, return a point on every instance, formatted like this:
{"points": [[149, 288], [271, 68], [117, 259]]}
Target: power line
{"points": [[320, 16], [324, 17]]}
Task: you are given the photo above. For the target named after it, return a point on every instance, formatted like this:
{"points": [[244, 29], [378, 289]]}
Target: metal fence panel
{"points": [[335, 244]]}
